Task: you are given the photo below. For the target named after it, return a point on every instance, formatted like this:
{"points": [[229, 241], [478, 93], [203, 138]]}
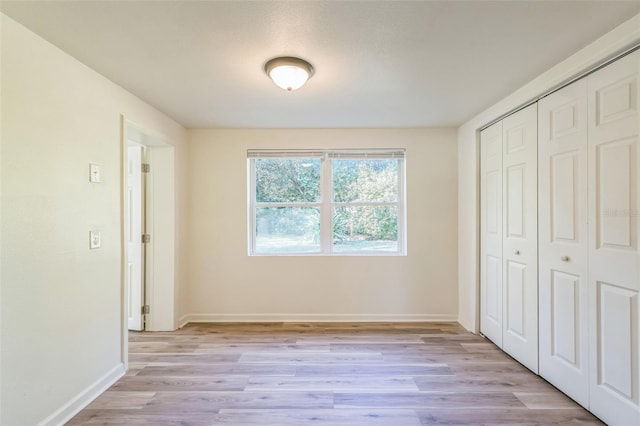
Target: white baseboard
{"points": [[84, 398], [184, 320], [193, 318]]}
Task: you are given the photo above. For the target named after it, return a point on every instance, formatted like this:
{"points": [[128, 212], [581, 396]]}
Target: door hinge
{"points": [[146, 309], [146, 167], [146, 238]]}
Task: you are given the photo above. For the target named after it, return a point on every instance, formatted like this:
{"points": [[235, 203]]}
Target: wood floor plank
{"points": [[373, 370], [172, 383], [311, 357], [488, 382], [488, 367], [131, 417], [327, 417], [113, 399], [184, 358], [218, 348], [338, 374], [390, 347], [280, 338], [187, 402], [548, 400], [479, 347], [161, 347], [459, 400], [361, 338], [448, 358], [220, 369], [337, 383], [507, 417]]}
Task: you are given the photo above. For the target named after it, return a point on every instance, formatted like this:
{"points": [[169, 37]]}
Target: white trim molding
{"points": [[620, 39], [184, 320], [200, 318], [84, 398]]}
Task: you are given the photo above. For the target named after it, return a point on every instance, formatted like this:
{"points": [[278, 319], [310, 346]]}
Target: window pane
{"points": [[282, 180], [365, 180], [287, 230], [365, 229]]}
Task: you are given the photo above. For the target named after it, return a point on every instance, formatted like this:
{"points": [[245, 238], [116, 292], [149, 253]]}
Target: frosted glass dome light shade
{"points": [[289, 73]]}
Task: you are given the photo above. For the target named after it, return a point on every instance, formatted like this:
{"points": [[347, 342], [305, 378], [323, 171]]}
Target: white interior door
{"points": [[563, 230], [614, 258], [491, 233], [520, 236], [134, 212]]}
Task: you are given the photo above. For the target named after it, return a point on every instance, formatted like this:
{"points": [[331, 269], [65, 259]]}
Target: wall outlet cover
{"points": [[95, 240], [94, 173]]}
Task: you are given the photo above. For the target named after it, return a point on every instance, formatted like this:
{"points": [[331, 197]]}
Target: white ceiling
{"points": [[378, 63]]}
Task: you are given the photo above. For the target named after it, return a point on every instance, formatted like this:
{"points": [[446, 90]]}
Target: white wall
{"points": [[621, 38], [226, 284], [62, 325]]}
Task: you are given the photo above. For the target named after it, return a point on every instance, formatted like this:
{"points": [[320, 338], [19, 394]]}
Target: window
{"points": [[326, 202]]}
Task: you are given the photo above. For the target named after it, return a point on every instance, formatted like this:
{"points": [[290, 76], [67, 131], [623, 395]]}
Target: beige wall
{"points": [[226, 284], [61, 324]]}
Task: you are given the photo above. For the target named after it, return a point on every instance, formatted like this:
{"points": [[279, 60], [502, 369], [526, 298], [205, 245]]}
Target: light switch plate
{"points": [[95, 240], [94, 173]]}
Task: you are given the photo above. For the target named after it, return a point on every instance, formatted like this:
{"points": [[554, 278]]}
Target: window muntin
{"points": [[326, 202]]}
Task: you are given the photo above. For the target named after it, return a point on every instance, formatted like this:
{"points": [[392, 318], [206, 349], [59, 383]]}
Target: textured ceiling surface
{"points": [[378, 63]]}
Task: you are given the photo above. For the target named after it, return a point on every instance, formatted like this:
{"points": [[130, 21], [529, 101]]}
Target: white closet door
{"points": [[491, 233], [614, 258], [520, 236], [563, 230]]}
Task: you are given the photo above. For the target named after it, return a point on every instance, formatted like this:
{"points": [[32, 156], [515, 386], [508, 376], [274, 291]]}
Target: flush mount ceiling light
{"points": [[288, 72]]}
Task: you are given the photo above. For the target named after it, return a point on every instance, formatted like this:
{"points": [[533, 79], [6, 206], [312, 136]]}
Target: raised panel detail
{"points": [[615, 172], [515, 140], [493, 147], [494, 305], [516, 303], [565, 311], [493, 204], [564, 197], [618, 339], [617, 100], [515, 216], [564, 120]]}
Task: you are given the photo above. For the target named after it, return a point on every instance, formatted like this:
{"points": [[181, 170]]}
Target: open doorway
{"points": [[148, 232]]}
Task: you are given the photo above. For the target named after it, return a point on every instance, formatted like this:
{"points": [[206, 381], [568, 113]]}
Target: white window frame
{"points": [[326, 203]]}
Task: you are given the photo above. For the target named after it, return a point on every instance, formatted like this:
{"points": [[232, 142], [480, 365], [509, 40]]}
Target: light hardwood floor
{"points": [[370, 374]]}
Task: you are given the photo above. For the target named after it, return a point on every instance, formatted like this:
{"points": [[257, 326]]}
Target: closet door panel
{"points": [[614, 258], [516, 278], [617, 307], [491, 233], [520, 249], [614, 192], [565, 330], [563, 230]]}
